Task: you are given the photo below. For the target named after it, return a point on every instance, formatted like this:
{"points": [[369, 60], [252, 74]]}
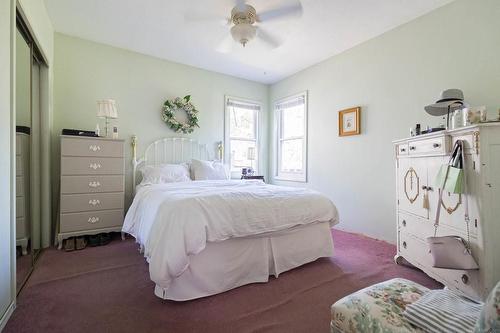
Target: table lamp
{"points": [[106, 108]]}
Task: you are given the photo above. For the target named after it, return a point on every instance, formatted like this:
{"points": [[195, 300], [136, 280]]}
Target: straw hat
{"points": [[449, 100]]}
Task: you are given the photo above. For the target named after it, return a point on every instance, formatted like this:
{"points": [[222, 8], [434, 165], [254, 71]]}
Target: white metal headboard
{"points": [[168, 151]]}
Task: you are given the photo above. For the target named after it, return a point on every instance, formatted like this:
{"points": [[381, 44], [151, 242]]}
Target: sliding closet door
{"points": [[6, 179], [23, 147], [28, 138], [35, 156]]}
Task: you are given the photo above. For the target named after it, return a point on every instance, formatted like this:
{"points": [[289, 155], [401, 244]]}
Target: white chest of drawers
{"points": [[23, 215], [418, 160], [92, 186]]}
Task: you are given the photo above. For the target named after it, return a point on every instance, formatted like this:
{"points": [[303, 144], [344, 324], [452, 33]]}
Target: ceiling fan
{"points": [[246, 23]]}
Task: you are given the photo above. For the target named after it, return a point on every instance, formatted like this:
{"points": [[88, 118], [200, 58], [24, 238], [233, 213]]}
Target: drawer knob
{"points": [[95, 166], [413, 148], [404, 223], [94, 148], [94, 184], [436, 145], [93, 219], [465, 279], [403, 150], [405, 245], [94, 202]]}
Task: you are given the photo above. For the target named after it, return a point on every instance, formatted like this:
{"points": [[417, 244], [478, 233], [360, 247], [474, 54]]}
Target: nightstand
{"points": [[254, 177]]}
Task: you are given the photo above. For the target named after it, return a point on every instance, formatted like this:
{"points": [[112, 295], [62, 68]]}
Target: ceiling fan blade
{"points": [[202, 17], [291, 10], [268, 38], [226, 45]]}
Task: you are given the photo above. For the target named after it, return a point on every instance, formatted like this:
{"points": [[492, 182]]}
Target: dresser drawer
{"points": [[438, 146], [20, 186], [20, 207], [89, 202], [19, 145], [92, 166], [21, 228], [419, 228], [92, 184], [91, 220], [417, 252], [402, 149], [464, 281], [91, 147], [422, 228], [413, 249], [19, 166]]}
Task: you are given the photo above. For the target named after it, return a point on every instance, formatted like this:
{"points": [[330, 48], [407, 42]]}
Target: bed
{"points": [[205, 237]]}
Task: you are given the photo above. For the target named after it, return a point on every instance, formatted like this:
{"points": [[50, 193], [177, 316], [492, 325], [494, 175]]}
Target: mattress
{"points": [[175, 222]]}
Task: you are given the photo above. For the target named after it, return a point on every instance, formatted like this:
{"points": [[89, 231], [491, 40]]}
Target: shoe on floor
{"points": [[81, 243], [104, 239], [94, 240], [69, 244]]}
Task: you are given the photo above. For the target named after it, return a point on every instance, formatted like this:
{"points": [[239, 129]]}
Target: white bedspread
{"points": [[174, 221]]}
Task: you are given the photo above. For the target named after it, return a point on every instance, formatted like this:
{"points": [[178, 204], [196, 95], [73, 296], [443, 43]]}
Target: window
{"points": [[242, 135], [291, 146]]}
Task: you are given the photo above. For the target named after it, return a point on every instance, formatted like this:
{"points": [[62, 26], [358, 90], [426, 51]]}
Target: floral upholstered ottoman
{"points": [[378, 308]]}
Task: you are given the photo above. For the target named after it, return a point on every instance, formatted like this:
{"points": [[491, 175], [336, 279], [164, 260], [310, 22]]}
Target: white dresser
{"points": [[418, 160], [92, 186], [23, 191]]}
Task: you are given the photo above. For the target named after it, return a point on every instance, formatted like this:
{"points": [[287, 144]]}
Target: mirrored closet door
{"points": [[27, 147]]}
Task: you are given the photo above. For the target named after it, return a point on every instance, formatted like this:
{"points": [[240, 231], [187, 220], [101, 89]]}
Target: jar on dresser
{"points": [[418, 160], [92, 186]]}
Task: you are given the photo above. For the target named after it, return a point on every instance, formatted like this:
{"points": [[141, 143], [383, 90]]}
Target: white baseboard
{"points": [[6, 316]]}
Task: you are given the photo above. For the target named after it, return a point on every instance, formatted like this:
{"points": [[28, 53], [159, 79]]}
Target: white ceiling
{"points": [[158, 28]]}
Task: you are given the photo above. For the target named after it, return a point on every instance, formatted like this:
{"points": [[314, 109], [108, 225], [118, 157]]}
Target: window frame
{"points": [[227, 136], [278, 125]]}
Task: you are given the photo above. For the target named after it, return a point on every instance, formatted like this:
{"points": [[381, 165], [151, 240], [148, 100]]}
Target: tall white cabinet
{"points": [[23, 191], [418, 160]]}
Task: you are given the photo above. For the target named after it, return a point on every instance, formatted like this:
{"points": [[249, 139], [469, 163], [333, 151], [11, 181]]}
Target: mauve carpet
{"points": [[107, 289]]}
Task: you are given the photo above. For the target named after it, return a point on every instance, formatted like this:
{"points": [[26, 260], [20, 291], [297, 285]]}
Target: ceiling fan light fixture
{"points": [[243, 33]]}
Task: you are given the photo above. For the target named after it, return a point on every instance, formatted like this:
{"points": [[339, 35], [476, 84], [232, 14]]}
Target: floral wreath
{"points": [[168, 114]]}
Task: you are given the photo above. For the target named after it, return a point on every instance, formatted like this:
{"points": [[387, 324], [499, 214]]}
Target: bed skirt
{"points": [[235, 262]]}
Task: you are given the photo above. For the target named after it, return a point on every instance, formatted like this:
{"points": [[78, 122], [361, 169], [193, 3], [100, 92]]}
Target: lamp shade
{"points": [[106, 108], [251, 153]]}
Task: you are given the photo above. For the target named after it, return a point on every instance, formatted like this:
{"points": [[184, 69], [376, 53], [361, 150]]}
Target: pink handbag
{"points": [[452, 252]]}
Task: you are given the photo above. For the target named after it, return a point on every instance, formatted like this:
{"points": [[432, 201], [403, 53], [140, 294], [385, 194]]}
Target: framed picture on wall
{"points": [[350, 121]]}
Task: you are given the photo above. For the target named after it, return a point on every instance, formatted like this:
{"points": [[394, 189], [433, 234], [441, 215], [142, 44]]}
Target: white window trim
{"points": [[258, 139], [290, 176]]}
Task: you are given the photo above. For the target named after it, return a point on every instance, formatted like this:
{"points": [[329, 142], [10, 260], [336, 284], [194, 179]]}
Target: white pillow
{"points": [[165, 173], [209, 170]]}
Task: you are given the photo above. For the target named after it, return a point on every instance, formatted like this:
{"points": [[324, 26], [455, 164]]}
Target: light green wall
{"points": [[86, 71], [392, 78]]}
